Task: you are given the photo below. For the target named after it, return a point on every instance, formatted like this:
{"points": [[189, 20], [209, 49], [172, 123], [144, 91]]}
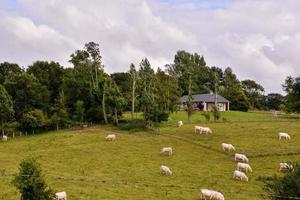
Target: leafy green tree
{"points": [[79, 111], [7, 70], [27, 93], [133, 80], [188, 68], [167, 91], [33, 121], [255, 93], [292, 88], [30, 182], [115, 100], [49, 74], [60, 117], [6, 107], [274, 101], [233, 91], [283, 187], [147, 88]]}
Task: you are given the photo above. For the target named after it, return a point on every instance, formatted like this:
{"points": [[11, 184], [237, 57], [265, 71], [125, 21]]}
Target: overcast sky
{"points": [[258, 39]]}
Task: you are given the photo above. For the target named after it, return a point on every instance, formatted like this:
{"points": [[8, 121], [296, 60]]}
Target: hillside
{"points": [[82, 163]]}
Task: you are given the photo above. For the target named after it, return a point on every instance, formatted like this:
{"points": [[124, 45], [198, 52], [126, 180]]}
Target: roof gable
{"points": [[204, 98]]}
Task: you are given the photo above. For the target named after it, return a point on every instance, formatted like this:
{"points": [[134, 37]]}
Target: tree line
{"points": [[47, 96]]}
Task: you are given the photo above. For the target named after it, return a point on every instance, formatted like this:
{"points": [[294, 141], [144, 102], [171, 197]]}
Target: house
{"points": [[206, 102]]}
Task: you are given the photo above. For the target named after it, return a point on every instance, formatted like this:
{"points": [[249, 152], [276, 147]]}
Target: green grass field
{"points": [[86, 166]]}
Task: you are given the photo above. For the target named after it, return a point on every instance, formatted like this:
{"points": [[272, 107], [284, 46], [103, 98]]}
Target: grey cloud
{"points": [[258, 39]]}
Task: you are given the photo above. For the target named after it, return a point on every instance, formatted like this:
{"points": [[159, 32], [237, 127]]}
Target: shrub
{"points": [[216, 113], [133, 125], [206, 115], [285, 187], [31, 183]]}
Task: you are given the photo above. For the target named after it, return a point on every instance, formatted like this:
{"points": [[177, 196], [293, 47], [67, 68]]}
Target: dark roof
{"points": [[204, 98]]}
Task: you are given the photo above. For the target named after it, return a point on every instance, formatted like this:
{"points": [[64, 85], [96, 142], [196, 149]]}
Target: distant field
{"points": [[84, 165]]}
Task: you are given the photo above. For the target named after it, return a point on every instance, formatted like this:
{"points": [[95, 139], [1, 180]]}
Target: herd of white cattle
{"points": [[240, 173], [242, 163]]}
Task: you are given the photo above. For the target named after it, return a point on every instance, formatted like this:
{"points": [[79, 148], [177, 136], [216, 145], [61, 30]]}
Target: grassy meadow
{"points": [[86, 166]]}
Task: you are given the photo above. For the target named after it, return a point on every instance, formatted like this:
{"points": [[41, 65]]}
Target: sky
{"points": [[258, 39]]}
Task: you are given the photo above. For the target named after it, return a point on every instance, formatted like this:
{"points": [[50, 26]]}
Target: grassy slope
{"points": [[131, 164]]}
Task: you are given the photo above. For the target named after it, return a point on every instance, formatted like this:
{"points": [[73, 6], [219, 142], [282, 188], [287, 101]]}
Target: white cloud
{"points": [[258, 39]]}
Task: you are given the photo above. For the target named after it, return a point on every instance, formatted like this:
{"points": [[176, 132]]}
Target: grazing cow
{"points": [[180, 123], [284, 136], [243, 167], [167, 151], [227, 147], [205, 130], [240, 157], [198, 129], [111, 137], [4, 138], [285, 166], [61, 195], [211, 194], [165, 170], [240, 176]]}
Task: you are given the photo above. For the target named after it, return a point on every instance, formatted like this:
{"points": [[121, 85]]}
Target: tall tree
{"points": [[274, 101], [49, 74], [292, 88], [187, 68], [27, 93], [6, 107], [254, 92], [147, 88], [133, 80], [8, 69], [233, 91]]}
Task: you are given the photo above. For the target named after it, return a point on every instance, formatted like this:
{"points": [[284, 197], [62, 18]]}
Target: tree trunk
{"points": [[103, 108], [190, 100], [133, 100], [116, 117]]}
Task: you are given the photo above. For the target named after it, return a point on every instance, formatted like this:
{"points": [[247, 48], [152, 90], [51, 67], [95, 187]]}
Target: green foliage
{"points": [[30, 182], [27, 93], [216, 113], [233, 91], [6, 107], [133, 125], [292, 88], [34, 121], [254, 93], [7, 70], [206, 115], [274, 101], [79, 111], [285, 187]]}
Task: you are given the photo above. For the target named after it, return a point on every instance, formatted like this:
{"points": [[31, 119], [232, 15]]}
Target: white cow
{"points": [[211, 194], [285, 166], [61, 195], [243, 167], [240, 176], [198, 129], [4, 138], [284, 136], [205, 130], [111, 137], [241, 157], [165, 170], [167, 151], [180, 123], [227, 147]]}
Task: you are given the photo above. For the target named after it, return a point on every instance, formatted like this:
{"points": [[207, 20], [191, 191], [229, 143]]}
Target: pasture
{"points": [[86, 166]]}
